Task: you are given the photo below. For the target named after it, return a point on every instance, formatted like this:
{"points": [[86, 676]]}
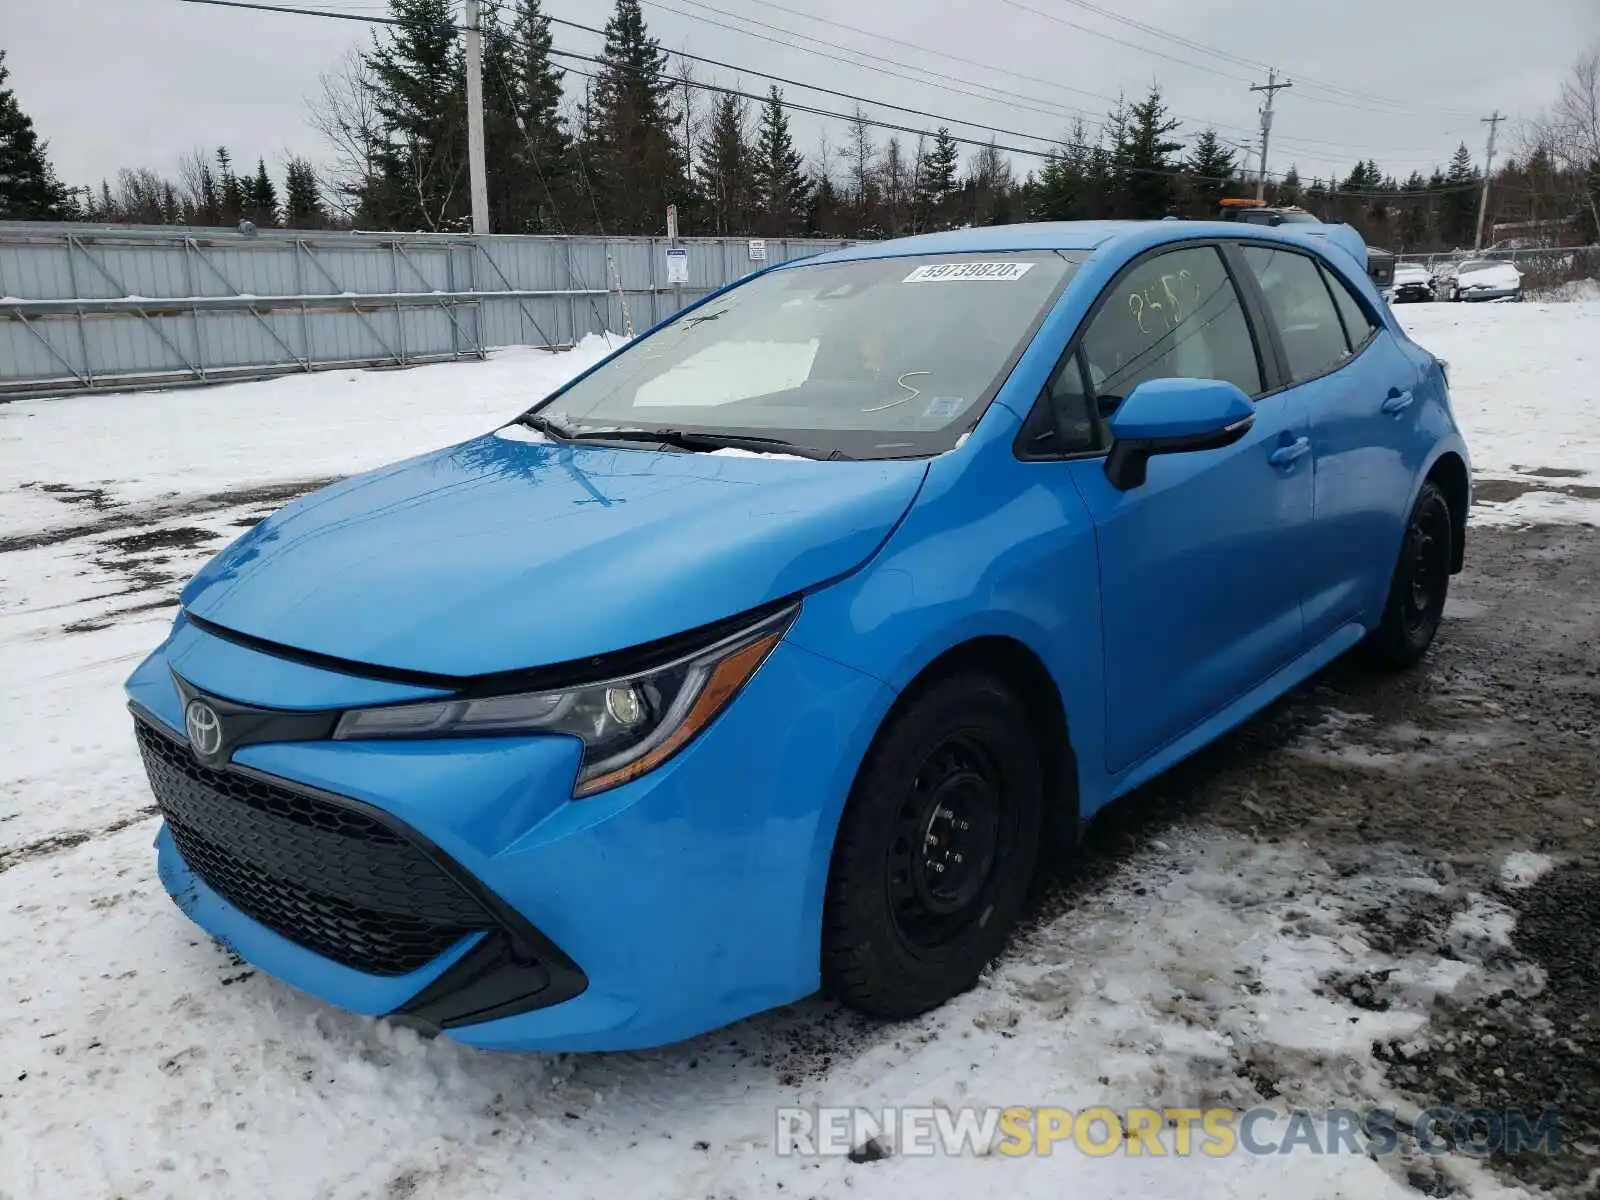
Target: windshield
{"points": [[1481, 264], [875, 358]]}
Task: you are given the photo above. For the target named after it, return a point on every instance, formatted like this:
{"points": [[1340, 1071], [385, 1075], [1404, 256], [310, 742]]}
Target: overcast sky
{"points": [[114, 83]]}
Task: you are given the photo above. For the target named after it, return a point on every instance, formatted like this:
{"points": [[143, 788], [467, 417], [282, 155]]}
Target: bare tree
{"points": [[1577, 119], [1567, 137], [686, 81], [860, 157], [897, 185], [344, 113], [144, 198]]}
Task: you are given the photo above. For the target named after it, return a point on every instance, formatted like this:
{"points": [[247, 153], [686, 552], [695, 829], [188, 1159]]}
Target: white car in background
{"points": [[1411, 282], [1478, 279]]}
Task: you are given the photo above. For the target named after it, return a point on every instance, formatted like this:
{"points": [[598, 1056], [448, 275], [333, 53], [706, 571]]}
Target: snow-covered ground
{"points": [[150, 446], [1525, 382], [137, 1059]]}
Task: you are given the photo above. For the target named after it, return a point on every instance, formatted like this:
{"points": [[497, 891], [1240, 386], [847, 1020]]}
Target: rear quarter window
{"points": [[1358, 326]]}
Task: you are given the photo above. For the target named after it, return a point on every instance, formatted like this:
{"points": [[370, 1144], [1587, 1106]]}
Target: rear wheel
{"points": [[936, 849], [1421, 583]]}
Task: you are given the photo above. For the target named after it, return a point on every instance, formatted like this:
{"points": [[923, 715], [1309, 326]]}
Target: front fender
{"points": [[992, 547]]}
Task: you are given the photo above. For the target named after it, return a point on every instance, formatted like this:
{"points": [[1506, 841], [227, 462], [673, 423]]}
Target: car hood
{"points": [[501, 554]]}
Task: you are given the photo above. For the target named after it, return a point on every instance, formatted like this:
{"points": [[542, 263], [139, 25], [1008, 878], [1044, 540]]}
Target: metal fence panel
{"points": [[86, 308]]}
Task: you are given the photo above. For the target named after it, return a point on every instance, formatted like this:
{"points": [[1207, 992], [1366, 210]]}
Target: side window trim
{"points": [[1263, 341]]}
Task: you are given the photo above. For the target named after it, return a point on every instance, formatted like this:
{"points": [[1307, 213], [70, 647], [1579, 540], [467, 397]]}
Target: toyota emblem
{"points": [[204, 727]]}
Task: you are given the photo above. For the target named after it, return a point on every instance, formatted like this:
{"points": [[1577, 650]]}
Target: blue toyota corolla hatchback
{"points": [[766, 656]]}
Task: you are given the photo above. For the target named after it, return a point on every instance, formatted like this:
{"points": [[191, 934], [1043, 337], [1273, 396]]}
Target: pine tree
{"points": [[1142, 158], [230, 192], [1210, 167], [781, 187], [261, 198], [29, 190], [419, 81], [635, 163], [530, 170], [1458, 207], [1289, 188], [937, 180], [302, 206], [726, 169], [825, 211]]}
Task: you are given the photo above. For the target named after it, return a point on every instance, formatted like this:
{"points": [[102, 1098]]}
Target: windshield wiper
{"points": [[545, 424], [695, 440]]}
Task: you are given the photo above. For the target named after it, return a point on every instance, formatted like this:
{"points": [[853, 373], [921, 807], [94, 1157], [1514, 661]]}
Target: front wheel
{"points": [[1420, 584], [936, 848]]}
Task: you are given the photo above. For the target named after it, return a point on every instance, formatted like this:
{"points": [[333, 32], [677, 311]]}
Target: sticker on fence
{"points": [[1003, 272], [677, 265]]}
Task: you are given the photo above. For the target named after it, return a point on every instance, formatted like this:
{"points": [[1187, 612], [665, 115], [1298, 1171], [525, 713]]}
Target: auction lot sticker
{"points": [[938, 272]]}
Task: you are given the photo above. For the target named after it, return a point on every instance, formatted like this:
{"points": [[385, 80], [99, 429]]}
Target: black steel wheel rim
{"points": [[945, 843], [1428, 569]]}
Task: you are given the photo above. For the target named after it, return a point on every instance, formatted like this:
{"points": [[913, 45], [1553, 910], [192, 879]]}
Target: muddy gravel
{"points": [[1491, 746]]}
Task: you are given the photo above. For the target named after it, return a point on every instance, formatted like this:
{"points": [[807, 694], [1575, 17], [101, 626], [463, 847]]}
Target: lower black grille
{"points": [[325, 875]]}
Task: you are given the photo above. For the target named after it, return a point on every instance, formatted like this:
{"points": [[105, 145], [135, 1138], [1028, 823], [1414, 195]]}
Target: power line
{"points": [[1252, 64], [1030, 152], [1100, 33], [1002, 95]]}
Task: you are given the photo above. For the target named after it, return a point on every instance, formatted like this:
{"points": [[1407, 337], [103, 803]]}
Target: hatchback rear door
{"points": [[1358, 387]]}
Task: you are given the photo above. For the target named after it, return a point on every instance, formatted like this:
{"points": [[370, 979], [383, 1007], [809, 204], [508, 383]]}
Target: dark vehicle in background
{"points": [[1380, 263], [1411, 283]]}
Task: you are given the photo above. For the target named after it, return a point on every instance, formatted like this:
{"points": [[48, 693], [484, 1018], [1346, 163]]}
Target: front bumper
{"points": [[678, 903], [1505, 293]]}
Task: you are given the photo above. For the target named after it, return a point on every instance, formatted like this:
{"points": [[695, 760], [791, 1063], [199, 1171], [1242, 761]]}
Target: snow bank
{"points": [[1584, 290]]}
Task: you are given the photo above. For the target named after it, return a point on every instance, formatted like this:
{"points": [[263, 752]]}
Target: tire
{"points": [[936, 850], [1420, 585]]}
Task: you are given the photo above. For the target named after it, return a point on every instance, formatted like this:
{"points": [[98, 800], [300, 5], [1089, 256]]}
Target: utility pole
{"points": [[1271, 87], [475, 155], [1488, 166]]}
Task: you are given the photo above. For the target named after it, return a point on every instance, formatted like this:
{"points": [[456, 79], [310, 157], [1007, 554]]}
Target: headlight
{"points": [[628, 725]]}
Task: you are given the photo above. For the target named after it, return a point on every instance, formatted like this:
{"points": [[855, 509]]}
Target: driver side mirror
{"points": [[1173, 416]]}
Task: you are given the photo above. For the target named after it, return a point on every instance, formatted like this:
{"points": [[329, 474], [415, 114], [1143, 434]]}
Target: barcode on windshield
{"points": [[939, 272]]}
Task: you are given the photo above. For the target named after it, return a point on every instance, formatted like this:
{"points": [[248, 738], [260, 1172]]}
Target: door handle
{"points": [[1284, 455], [1397, 402]]}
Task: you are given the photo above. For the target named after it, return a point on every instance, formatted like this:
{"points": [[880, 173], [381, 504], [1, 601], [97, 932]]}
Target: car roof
{"points": [[1063, 235]]}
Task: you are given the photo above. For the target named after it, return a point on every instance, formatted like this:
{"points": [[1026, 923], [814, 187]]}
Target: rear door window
{"points": [[1308, 323]]}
